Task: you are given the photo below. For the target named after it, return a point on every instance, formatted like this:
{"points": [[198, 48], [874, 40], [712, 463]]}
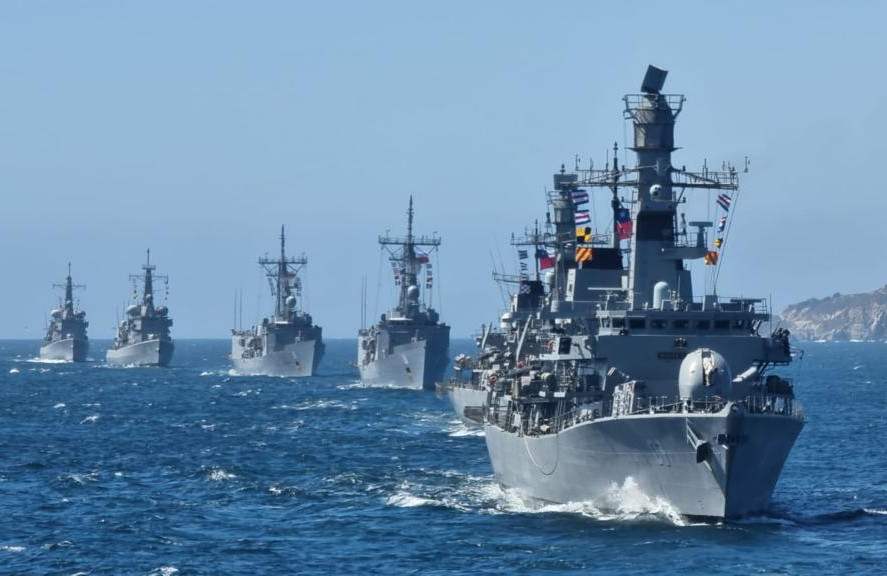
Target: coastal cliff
{"points": [[839, 317]]}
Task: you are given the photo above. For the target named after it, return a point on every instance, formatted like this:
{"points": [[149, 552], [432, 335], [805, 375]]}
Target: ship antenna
{"points": [[410, 222]]}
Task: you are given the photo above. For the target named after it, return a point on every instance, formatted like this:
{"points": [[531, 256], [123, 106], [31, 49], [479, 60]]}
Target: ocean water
{"points": [[192, 470]]}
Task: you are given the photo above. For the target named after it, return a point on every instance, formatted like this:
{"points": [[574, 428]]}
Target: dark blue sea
{"points": [[190, 470]]}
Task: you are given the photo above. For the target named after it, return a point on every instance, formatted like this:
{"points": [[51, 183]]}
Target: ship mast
{"points": [[69, 286], [402, 252], [148, 285], [657, 250], [283, 276]]}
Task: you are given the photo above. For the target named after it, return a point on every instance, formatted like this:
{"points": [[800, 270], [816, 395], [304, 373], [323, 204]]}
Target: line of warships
{"points": [[605, 369], [408, 347]]}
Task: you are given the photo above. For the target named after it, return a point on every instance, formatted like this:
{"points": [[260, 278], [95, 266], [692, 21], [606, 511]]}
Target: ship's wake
{"points": [[825, 518], [46, 361], [483, 495], [459, 429]]}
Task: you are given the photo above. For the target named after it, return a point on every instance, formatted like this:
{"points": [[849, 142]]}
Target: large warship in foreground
{"points": [[288, 344], [143, 338], [409, 346], [66, 336], [642, 382]]}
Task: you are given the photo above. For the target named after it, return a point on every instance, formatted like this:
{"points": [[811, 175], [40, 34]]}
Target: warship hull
{"points": [[147, 353], [733, 476], [462, 397], [296, 360], [69, 350], [413, 365]]}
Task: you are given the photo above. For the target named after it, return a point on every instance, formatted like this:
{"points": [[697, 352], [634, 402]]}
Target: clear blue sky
{"points": [[198, 128]]}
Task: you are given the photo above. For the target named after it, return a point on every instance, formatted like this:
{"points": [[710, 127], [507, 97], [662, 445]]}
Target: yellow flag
{"points": [[583, 234]]}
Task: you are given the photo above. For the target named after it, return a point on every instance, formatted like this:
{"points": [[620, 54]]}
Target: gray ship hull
{"points": [[68, 350], [403, 368], [463, 397], [147, 353], [412, 365], [585, 462], [296, 360]]}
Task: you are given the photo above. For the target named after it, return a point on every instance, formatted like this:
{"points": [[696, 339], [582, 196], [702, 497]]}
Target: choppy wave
{"points": [[484, 495], [220, 475], [320, 405], [46, 361], [164, 571], [459, 429]]}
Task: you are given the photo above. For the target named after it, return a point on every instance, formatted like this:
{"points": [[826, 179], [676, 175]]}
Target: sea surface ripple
{"points": [[195, 470]]}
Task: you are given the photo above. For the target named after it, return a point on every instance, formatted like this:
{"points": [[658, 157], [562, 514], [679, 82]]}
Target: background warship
{"points": [[640, 381], [496, 349], [66, 336], [143, 338], [288, 344], [409, 346]]}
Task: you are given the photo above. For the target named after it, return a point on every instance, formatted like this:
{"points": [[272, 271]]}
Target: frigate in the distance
{"points": [[409, 346], [66, 335], [289, 343], [143, 338], [644, 383]]}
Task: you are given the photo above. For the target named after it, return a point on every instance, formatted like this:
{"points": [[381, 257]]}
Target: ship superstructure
{"points": [[288, 343], [66, 337], [143, 336], [409, 346], [642, 381]]}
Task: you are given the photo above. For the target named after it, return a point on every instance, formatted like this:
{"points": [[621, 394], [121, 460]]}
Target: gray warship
{"points": [[641, 382], [287, 344], [496, 350], [409, 346], [142, 338], [66, 336]]}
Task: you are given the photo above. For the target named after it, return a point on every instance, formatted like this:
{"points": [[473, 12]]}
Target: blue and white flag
{"points": [[722, 223], [580, 197], [522, 254], [582, 217]]}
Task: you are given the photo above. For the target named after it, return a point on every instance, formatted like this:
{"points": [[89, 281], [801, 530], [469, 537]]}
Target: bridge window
{"points": [[637, 323], [658, 324], [738, 324], [703, 325], [722, 324], [618, 322], [680, 324]]}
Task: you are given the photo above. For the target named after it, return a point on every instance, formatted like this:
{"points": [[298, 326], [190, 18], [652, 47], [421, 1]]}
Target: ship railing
{"points": [[775, 404], [731, 304]]}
